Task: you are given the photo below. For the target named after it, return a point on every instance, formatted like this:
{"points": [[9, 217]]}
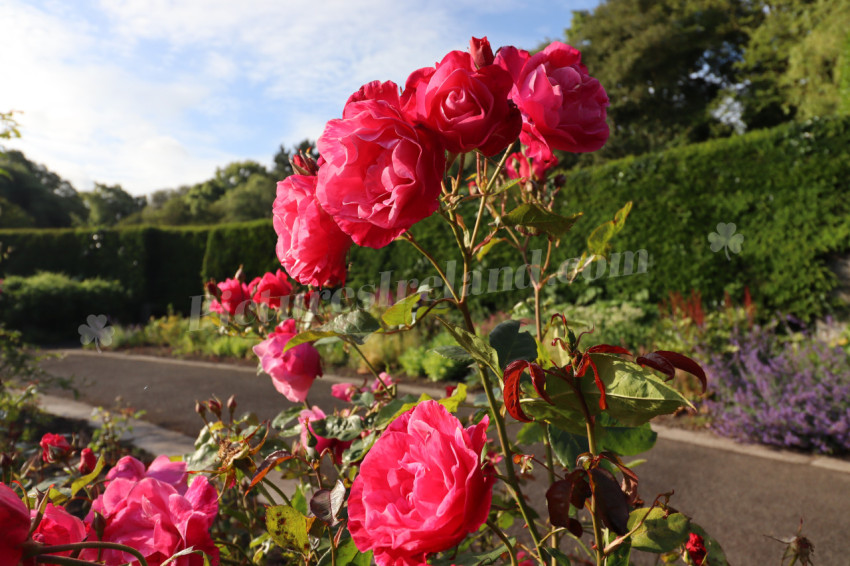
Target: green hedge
{"points": [[785, 189], [52, 306]]}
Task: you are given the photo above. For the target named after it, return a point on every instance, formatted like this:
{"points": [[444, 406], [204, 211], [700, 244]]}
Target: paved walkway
{"points": [[738, 493]]}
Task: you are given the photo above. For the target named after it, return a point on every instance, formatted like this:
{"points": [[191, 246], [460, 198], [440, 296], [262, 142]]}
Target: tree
{"points": [[108, 204], [662, 63], [49, 200], [797, 60]]}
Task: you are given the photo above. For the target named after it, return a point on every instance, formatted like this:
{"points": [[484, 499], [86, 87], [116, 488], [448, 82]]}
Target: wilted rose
{"points": [[421, 488]]}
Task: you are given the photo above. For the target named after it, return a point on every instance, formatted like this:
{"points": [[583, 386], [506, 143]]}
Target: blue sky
{"points": [[154, 94]]}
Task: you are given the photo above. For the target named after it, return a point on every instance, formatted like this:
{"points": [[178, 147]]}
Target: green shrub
{"points": [[438, 367], [250, 244], [52, 306], [412, 361]]}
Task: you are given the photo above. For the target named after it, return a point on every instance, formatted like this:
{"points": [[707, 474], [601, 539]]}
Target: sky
{"points": [[155, 94]]}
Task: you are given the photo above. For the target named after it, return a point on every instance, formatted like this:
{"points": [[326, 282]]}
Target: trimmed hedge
{"points": [[51, 306], [785, 189]]}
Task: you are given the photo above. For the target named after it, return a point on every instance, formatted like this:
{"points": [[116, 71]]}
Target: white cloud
{"points": [[158, 93]]}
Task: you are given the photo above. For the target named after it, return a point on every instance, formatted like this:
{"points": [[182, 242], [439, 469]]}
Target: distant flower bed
{"points": [[783, 390]]}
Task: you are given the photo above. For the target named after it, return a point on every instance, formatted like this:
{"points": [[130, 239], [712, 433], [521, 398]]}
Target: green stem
{"points": [[550, 468], [81, 545], [597, 529], [372, 368], [278, 491], [511, 550], [409, 237], [501, 431]]}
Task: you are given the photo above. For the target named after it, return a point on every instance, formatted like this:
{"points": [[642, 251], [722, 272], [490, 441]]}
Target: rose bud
{"points": [[214, 406], [54, 447], [481, 51], [87, 461]]}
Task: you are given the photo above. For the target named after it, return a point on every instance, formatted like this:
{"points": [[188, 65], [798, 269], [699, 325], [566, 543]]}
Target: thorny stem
{"points": [[597, 530]]}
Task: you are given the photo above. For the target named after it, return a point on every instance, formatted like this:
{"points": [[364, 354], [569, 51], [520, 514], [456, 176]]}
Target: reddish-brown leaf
{"points": [[268, 465], [607, 349], [678, 361], [511, 393], [611, 503]]}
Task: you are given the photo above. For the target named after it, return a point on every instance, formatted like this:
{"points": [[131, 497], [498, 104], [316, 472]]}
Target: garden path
{"points": [[737, 493]]}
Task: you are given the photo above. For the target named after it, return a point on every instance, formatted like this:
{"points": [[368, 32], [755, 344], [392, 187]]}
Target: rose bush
{"points": [[421, 488]]}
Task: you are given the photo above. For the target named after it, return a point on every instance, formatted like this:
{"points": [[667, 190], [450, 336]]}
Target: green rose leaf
{"points": [[539, 219], [341, 428], [354, 326], [289, 528], [511, 344], [658, 534], [480, 350]]}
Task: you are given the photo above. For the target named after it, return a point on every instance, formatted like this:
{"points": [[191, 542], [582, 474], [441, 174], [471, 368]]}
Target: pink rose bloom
{"points": [[343, 391], [562, 106], [337, 447], [162, 469], [294, 371], [271, 288], [14, 524], [234, 295], [54, 447], [519, 166], [376, 386], [310, 245], [88, 461], [57, 526], [152, 517], [381, 174], [467, 107], [421, 488]]}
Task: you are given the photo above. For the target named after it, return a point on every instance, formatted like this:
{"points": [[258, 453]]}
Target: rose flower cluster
{"points": [[382, 164]]}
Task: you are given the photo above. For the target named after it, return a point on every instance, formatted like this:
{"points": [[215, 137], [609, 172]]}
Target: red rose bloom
{"points": [[310, 245], [272, 288], [381, 174], [14, 524], [54, 447], [696, 548], [562, 106], [468, 108]]}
